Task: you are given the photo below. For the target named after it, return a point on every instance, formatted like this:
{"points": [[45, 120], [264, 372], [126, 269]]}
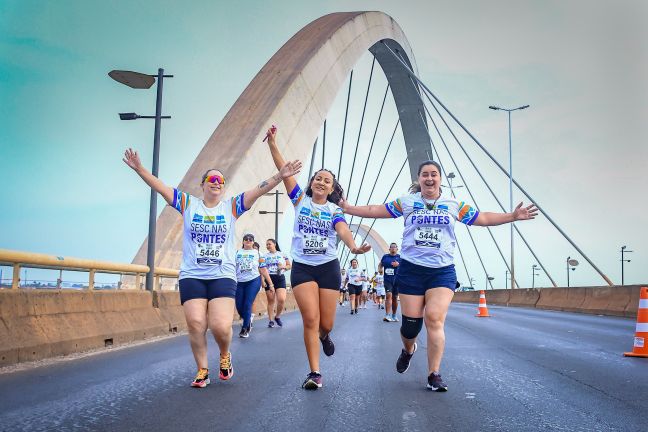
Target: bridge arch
{"points": [[295, 89]]}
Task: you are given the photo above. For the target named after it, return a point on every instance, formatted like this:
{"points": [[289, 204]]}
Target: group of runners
{"points": [[422, 277]]}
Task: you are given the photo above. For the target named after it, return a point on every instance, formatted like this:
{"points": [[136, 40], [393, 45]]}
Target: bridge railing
{"points": [[18, 260]]}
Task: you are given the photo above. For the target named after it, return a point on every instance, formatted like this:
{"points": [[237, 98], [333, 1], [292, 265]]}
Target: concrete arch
{"points": [[295, 89]]}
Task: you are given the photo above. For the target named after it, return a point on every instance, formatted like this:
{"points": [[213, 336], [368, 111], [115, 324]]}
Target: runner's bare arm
{"points": [[289, 182], [265, 275], [520, 213], [377, 211], [131, 158], [346, 236], [288, 170]]}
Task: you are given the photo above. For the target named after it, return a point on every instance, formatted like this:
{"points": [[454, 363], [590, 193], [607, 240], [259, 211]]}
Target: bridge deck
{"points": [[522, 370]]}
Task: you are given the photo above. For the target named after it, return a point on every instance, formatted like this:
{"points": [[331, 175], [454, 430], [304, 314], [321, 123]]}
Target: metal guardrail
{"points": [[18, 260]]}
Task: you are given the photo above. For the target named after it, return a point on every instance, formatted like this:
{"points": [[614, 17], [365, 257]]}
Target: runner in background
{"points": [[250, 267], [389, 264], [354, 284], [278, 263]]}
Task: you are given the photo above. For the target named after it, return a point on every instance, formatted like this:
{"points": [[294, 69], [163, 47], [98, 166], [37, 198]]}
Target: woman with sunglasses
{"points": [[277, 263], [315, 275], [426, 277], [250, 268], [208, 271]]}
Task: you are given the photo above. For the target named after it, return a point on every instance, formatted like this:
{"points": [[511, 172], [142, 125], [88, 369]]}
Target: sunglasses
{"points": [[215, 179], [248, 238]]}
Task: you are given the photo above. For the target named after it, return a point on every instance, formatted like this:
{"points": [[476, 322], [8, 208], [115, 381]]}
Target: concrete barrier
{"points": [[615, 301], [38, 324], [524, 297]]}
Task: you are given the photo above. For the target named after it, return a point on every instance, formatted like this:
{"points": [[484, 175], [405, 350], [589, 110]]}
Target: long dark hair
{"points": [[335, 196], [276, 244], [416, 187]]}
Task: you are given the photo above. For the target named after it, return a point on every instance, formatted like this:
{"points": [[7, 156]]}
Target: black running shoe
{"points": [[435, 383], [244, 333], [279, 322], [327, 345], [403, 362], [351, 311], [313, 381]]}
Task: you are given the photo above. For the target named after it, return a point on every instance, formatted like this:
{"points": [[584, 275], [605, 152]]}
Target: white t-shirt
{"points": [[208, 244], [248, 263], [428, 236], [354, 276], [314, 238], [380, 281], [274, 261]]}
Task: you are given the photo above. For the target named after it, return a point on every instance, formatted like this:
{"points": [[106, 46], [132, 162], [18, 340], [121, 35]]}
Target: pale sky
{"points": [[579, 150]]}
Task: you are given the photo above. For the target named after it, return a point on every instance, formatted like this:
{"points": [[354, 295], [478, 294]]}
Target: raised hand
{"points": [[524, 213], [131, 158], [343, 204], [271, 134], [290, 169], [362, 249]]}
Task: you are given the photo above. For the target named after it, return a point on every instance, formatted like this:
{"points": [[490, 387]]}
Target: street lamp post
{"points": [[489, 279], [509, 111], [534, 267], [472, 283], [506, 279], [571, 265], [450, 177], [276, 212], [138, 80], [623, 261]]}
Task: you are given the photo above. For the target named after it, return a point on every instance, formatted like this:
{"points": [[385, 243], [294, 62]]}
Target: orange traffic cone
{"points": [[640, 348], [483, 310]]}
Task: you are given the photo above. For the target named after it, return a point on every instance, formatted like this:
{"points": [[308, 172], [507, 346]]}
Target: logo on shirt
{"points": [[325, 216], [209, 220], [197, 218], [305, 211], [442, 207], [315, 214], [220, 219], [418, 206]]}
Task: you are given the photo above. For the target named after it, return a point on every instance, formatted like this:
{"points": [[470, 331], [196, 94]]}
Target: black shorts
{"points": [[279, 281], [325, 275], [390, 287], [355, 289], [191, 288]]}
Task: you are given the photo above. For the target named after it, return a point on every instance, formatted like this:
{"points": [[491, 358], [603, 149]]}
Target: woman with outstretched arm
{"points": [[208, 271], [315, 275], [426, 277]]}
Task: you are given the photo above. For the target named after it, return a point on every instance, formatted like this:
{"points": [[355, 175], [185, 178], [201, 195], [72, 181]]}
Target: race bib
{"points": [[314, 244], [428, 237], [273, 268], [389, 271], [245, 266], [209, 254]]}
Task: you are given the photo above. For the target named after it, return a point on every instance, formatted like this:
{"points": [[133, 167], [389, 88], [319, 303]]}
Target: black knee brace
{"points": [[411, 327]]}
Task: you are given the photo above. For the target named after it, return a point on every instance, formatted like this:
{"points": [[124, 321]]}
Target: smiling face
{"points": [[248, 241], [322, 184], [429, 180], [213, 184], [354, 263]]}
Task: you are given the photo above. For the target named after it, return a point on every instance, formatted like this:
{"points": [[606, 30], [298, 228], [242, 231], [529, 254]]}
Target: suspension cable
{"points": [[391, 140], [364, 109], [346, 115], [490, 156], [373, 141], [324, 144]]}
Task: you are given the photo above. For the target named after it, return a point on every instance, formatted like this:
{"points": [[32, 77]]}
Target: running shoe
{"points": [[202, 378], [327, 345], [313, 381], [244, 333], [279, 322], [395, 318], [241, 332], [226, 369], [435, 383], [403, 362], [271, 324], [387, 318], [351, 311]]}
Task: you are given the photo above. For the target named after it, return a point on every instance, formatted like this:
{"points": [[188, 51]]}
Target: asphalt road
{"points": [[521, 370]]}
